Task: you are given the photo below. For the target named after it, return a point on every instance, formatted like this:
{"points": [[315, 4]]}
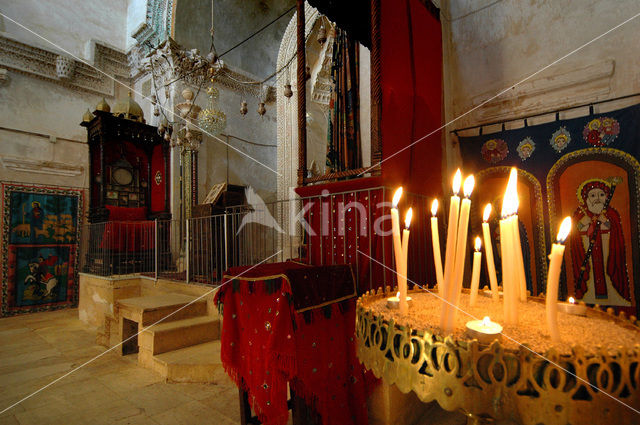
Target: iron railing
{"points": [[348, 227]]}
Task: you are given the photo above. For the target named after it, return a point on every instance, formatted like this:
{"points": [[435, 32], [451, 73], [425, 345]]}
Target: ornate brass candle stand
{"points": [[493, 383]]}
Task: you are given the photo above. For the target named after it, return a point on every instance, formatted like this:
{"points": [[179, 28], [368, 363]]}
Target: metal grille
{"points": [[199, 250]]}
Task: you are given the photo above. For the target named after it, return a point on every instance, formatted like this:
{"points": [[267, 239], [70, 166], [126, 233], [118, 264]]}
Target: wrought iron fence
{"points": [[348, 227]]}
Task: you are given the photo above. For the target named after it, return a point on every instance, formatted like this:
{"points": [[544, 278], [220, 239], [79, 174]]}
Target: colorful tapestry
{"points": [[586, 168], [40, 235]]}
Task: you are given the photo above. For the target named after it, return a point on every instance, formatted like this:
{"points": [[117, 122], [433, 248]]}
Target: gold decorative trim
{"points": [[495, 383]]}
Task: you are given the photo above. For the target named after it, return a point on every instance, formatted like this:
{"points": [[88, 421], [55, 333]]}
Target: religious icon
{"points": [[597, 246]]}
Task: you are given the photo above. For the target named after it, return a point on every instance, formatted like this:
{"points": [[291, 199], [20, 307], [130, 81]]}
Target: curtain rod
{"points": [[539, 114]]}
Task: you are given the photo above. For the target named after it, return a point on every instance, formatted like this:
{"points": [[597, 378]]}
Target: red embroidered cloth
{"points": [[266, 344]]}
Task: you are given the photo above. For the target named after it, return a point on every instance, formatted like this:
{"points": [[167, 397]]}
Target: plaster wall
{"points": [[69, 24], [490, 46], [233, 22], [246, 163], [40, 119], [136, 15]]}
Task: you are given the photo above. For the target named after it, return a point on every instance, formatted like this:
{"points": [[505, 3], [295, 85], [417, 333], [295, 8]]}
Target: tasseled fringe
{"points": [[287, 363], [232, 372], [310, 398]]}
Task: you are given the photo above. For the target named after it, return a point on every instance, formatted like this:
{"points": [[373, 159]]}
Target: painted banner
{"points": [[40, 235], [586, 168]]}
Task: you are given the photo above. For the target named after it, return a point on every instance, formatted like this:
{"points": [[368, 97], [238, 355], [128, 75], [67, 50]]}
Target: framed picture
{"points": [[133, 197], [123, 201], [112, 194]]}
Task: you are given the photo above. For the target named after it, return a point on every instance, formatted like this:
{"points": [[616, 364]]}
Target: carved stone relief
{"points": [[72, 73]]}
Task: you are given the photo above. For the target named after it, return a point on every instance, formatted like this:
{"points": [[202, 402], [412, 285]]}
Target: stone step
{"points": [[198, 363], [170, 307], [170, 336]]}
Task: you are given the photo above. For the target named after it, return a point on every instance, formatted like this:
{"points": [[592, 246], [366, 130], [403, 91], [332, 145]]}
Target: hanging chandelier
{"points": [[211, 119]]}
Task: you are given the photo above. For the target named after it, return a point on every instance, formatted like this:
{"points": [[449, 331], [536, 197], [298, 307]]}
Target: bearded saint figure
{"points": [[600, 276]]}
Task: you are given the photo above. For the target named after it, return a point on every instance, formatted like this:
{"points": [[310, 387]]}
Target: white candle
{"points": [[485, 331], [435, 240], [452, 229], [402, 278], [394, 302], [488, 249], [475, 275], [395, 229], [461, 250], [510, 284], [521, 282], [571, 307], [553, 279]]}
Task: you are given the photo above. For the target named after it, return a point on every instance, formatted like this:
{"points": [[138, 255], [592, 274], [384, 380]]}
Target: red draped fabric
{"points": [[266, 344], [128, 230], [411, 78]]}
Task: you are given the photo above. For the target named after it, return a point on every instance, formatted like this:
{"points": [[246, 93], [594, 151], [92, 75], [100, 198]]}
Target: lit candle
{"points": [[571, 307], [553, 279], [510, 284], [395, 229], [461, 250], [475, 275], [435, 240], [452, 229], [485, 331], [402, 277], [515, 232], [394, 302], [488, 249]]}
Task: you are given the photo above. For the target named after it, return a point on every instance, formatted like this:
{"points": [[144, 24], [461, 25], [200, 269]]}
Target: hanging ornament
{"points": [[287, 90], [261, 109], [322, 34], [162, 128], [211, 119], [243, 108]]}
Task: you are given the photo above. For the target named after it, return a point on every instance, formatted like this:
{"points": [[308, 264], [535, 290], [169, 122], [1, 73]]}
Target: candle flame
{"points": [[487, 213], [398, 294], [457, 179], [407, 218], [486, 321], [396, 197], [565, 228], [434, 207], [510, 201], [478, 243], [572, 300], [469, 182]]}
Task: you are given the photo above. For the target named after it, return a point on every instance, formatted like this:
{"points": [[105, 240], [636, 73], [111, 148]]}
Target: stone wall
{"points": [[41, 141], [233, 22], [490, 46]]}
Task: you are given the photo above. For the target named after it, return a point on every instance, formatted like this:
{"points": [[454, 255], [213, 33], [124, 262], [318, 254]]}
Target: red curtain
{"points": [[411, 52]]}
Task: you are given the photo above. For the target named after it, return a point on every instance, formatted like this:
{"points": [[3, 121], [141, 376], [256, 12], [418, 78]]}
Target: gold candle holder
{"points": [[493, 383]]}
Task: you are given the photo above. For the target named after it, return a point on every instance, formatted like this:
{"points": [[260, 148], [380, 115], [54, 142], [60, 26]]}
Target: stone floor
{"points": [[37, 349]]}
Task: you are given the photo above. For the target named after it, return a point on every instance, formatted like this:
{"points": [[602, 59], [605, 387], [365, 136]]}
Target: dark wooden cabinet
{"points": [[128, 188], [129, 167]]}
